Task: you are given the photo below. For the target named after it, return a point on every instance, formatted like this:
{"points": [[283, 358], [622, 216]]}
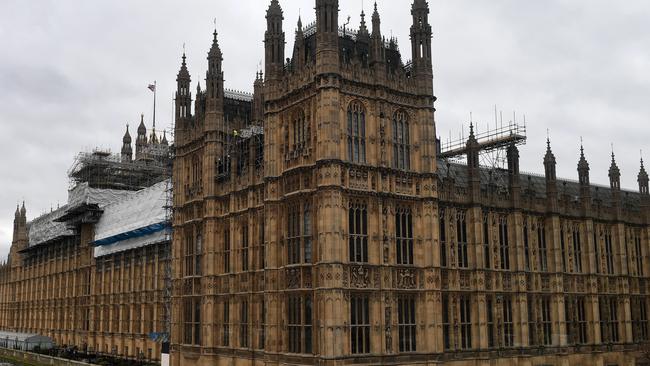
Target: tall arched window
{"points": [[356, 133], [401, 141], [299, 131]]}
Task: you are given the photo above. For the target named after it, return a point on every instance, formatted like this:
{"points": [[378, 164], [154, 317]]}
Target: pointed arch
{"points": [[401, 141], [356, 132]]}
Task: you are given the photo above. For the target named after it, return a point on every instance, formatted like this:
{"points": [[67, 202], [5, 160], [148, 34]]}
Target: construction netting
{"points": [[45, 228], [136, 221]]}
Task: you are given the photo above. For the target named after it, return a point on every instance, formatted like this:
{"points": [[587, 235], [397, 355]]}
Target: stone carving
{"points": [[359, 277], [293, 278], [406, 278]]}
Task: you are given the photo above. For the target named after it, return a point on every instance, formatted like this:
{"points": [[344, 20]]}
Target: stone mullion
{"points": [[618, 242], [274, 255], [558, 316], [594, 335], [474, 221]]}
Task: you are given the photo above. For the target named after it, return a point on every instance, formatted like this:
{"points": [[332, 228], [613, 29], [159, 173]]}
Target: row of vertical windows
{"points": [[300, 324], [576, 320], [299, 233], [460, 224], [539, 320], [461, 234], [526, 246], [356, 137], [300, 131], [577, 250], [406, 324], [356, 133], [404, 236], [639, 319], [638, 254], [359, 325], [504, 245], [192, 320], [192, 252], [541, 243], [608, 311], [609, 252], [401, 143], [358, 232]]}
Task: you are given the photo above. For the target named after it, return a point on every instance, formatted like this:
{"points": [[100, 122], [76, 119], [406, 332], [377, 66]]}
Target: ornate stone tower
{"points": [[141, 141], [127, 151]]}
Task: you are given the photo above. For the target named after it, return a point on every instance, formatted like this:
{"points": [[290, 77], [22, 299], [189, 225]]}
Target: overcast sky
{"points": [[73, 73]]}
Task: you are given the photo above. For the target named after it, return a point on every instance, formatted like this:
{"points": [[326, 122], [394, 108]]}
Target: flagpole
{"points": [[154, 104]]}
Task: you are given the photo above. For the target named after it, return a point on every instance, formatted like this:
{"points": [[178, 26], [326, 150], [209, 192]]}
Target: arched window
{"points": [[356, 133], [401, 141], [298, 131]]}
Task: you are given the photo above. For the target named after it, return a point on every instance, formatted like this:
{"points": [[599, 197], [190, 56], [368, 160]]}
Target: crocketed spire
{"points": [[583, 168], [614, 174], [642, 178], [549, 161], [164, 139], [363, 29], [215, 51], [183, 73], [274, 8]]}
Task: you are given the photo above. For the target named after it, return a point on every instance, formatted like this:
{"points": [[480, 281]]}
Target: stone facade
{"points": [[54, 284], [337, 237]]}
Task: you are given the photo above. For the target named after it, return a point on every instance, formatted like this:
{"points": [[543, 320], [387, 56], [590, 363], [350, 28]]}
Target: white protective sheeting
{"points": [[142, 209], [131, 243], [43, 229], [83, 194]]}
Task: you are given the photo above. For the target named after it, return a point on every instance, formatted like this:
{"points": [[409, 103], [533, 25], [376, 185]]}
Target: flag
{"points": [[152, 87]]}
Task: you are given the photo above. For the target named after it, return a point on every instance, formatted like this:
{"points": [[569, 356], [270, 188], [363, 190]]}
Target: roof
{"points": [[531, 183], [46, 228], [135, 221], [25, 337]]}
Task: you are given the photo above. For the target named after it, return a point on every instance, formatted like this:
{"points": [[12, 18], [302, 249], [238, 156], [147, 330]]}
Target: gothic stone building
{"points": [[91, 273], [314, 223]]}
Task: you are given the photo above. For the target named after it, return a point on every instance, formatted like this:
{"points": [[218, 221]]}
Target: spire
{"points": [[127, 136], [183, 74], [142, 129], [23, 211], [363, 29], [583, 177], [549, 162], [274, 9], [127, 152], [164, 139], [183, 96], [614, 174], [215, 50], [642, 178], [141, 140], [17, 214]]}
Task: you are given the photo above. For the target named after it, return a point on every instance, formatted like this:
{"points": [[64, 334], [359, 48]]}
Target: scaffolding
{"points": [[101, 169], [241, 145], [491, 140]]}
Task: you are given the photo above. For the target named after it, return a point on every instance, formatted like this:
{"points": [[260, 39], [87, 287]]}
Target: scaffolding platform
{"points": [[499, 138]]}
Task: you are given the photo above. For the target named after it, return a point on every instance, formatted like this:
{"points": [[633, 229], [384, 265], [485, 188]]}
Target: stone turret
{"points": [[127, 151], [551, 178]]}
